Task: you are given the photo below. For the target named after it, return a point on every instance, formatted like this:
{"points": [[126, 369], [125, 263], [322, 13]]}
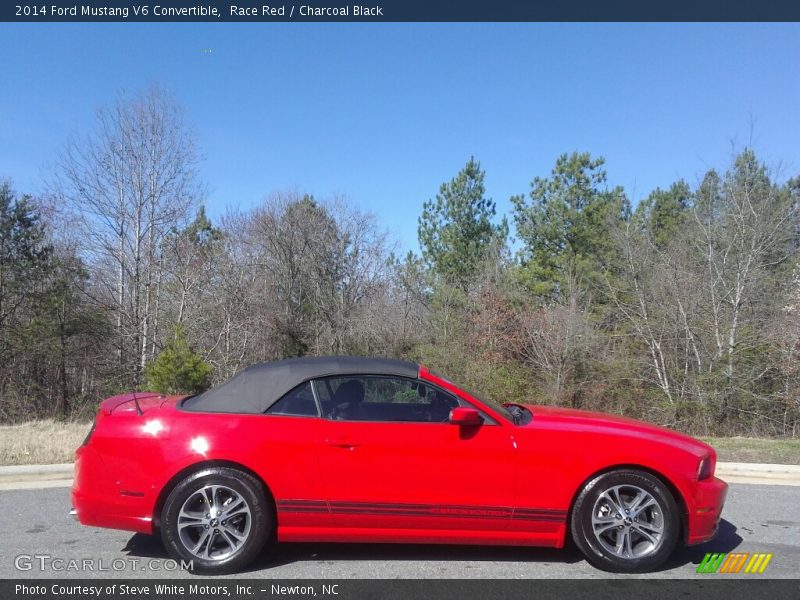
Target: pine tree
{"points": [[456, 229], [663, 213], [565, 227], [25, 262], [178, 369]]}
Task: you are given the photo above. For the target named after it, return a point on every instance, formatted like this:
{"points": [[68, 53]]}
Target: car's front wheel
{"points": [[218, 519], [625, 521]]}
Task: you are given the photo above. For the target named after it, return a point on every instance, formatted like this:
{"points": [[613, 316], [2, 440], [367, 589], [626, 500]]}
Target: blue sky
{"points": [[384, 113]]}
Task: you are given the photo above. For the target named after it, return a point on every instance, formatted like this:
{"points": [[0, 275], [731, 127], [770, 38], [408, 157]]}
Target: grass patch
{"points": [[41, 442], [785, 451]]}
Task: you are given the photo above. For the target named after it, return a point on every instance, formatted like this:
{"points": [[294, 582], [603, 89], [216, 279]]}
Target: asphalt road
{"points": [[757, 518]]}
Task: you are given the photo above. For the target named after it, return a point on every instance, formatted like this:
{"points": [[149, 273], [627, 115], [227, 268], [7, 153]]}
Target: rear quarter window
{"points": [[299, 402]]}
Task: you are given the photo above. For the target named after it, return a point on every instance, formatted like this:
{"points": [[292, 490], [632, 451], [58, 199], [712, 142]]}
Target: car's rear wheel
{"points": [[626, 521], [218, 519]]}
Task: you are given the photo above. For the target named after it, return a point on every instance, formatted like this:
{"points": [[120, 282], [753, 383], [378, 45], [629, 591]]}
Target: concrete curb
{"points": [[764, 468], [24, 473], [35, 485], [759, 473]]}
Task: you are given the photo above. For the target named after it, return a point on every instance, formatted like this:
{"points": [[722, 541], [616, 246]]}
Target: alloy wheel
{"points": [[628, 521], [214, 522]]}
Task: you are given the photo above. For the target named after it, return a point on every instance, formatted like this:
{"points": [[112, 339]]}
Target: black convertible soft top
{"points": [[259, 386]]}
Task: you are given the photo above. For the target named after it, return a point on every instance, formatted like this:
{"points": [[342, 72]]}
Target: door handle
{"points": [[343, 442]]}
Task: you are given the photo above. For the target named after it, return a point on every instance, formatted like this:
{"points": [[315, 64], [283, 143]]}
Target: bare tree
{"points": [[744, 224], [131, 179], [558, 342], [702, 304]]}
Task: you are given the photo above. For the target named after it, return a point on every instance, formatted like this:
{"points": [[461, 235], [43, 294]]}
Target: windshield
{"points": [[494, 405], [498, 407]]}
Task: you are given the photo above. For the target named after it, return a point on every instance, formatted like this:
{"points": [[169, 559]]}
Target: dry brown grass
{"points": [[40, 442], [783, 451]]}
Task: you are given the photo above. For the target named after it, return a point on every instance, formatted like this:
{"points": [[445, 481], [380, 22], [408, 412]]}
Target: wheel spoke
{"points": [[603, 520], [191, 514], [641, 496], [237, 507], [203, 538], [644, 505], [603, 524], [237, 534], [613, 499], [207, 550], [239, 511], [628, 543], [620, 547], [233, 540], [645, 534], [600, 529], [190, 521], [650, 527], [624, 546], [208, 497], [618, 501]]}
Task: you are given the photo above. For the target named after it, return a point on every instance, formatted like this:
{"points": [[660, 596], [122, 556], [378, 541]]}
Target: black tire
{"points": [[634, 549], [256, 527]]}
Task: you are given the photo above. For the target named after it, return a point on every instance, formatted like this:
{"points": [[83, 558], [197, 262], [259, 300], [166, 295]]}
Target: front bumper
{"points": [[706, 510]]}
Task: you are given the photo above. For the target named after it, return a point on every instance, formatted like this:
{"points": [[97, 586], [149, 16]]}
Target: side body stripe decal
{"points": [[422, 510]]}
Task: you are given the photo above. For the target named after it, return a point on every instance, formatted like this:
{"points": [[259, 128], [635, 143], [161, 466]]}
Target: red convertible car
{"points": [[349, 449]]}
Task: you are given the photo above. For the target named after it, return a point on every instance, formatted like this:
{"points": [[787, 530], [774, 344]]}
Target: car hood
{"points": [[582, 421]]}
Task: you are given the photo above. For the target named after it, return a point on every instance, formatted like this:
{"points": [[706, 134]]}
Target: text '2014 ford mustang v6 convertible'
{"points": [[349, 449]]}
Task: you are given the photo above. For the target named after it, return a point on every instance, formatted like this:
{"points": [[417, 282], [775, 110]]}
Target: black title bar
{"points": [[400, 11], [206, 588]]}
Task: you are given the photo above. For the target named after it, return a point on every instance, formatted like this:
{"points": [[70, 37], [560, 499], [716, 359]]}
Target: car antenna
{"points": [[136, 402]]}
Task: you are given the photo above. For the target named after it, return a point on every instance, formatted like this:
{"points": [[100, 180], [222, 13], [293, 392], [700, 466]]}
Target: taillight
{"points": [[91, 431], [704, 469]]}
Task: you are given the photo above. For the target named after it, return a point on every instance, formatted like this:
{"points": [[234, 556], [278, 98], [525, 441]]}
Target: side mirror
{"points": [[463, 415]]}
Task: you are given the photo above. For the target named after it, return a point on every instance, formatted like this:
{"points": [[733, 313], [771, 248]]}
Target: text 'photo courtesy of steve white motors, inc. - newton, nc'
{"points": [[156, 10], [195, 590]]}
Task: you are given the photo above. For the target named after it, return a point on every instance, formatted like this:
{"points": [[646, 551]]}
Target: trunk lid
{"points": [[137, 402]]}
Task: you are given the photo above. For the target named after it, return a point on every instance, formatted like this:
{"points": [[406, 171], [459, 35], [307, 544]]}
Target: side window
{"points": [[299, 403], [440, 403], [325, 390], [385, 399]]}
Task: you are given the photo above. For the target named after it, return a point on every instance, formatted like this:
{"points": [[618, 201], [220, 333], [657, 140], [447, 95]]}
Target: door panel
{"points": [[291, 435], [417, 474]]}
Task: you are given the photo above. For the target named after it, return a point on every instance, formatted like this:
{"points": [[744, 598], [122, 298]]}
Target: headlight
{"points": [[704, 469]]}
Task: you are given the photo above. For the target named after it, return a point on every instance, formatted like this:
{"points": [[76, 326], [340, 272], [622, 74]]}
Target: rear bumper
{"points": [[97, 501], [706, 510]]}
